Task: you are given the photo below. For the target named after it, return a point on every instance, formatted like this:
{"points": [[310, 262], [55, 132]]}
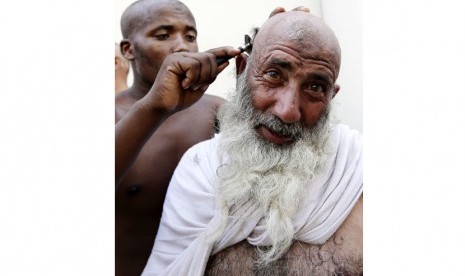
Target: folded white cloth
{"points": [[191, 210]]}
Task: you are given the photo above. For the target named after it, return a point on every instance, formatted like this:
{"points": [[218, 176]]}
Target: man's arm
{"points": [[182, 80]]}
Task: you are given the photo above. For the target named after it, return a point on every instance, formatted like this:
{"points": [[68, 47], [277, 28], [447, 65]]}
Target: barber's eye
{"points": [[162, 36], [190, 38]]}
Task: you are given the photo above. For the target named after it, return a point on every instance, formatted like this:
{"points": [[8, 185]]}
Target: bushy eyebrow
{"points": [[282, 63], [310, 76], [319, 77]]}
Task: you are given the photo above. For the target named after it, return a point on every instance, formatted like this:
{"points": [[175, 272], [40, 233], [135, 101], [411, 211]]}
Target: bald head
{"points": [[308, 33], [138, 14]]}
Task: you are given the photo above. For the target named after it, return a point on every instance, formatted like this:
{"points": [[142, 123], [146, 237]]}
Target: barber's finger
{"points": [[281, 9], [277, 10], [191, 67], [208, 69], [199, 69], [301, 8], [224, 51], [223, 54]]}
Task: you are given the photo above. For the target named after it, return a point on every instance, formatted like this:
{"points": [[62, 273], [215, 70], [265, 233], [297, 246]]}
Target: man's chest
{"points": [[341, 254], [331, 258]]}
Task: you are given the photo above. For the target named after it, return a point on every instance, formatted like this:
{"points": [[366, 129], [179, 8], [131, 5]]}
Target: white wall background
{"points": [[224, 22]]}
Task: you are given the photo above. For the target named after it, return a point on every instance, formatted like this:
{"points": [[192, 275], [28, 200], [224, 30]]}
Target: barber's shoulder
{"points": [[212, 100]]}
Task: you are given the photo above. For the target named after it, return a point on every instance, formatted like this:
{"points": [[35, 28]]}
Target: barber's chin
{"points": [[273, 137]]}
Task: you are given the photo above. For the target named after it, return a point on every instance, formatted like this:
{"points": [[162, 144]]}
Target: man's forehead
{"points": [[166, 13], [156, 21], [306, 38], [171, 10], [306, 67], [172, 21]]}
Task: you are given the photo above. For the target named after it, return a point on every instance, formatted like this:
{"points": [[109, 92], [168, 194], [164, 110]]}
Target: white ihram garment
{"points": [[191, 209]]}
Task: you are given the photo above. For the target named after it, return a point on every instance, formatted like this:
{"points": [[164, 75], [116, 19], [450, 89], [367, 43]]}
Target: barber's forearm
{"points": [[131, 134]]}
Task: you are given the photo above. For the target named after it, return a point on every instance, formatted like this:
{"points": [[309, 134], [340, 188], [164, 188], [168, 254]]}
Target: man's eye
{"points": [[162, 36], [317, 88], [191, 38], [272, 74]]}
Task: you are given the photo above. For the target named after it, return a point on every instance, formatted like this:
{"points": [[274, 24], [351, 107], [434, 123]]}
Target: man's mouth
{"points": [[274, 137]]}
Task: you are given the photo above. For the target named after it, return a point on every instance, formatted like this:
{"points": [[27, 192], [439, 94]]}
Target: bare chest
{"points": [[331, 258], [341, 254]]}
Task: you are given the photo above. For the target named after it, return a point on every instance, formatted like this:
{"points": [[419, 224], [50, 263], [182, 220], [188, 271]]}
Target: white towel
{"points": [[191, 210]]}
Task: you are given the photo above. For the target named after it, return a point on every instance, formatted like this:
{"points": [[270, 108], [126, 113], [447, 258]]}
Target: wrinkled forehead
{"points": [[305, 33]]}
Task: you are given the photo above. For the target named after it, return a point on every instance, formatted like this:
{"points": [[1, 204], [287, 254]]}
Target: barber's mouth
{"points": [[272, 136]]}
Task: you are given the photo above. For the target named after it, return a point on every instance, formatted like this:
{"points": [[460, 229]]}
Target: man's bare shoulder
{"points": [[211, 101], [201, 116]]}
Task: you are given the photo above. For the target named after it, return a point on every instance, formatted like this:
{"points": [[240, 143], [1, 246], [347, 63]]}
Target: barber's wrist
{"points": [[153, 110]]}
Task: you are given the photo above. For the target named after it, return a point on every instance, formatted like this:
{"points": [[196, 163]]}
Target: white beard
{"points": [[275, 176]]}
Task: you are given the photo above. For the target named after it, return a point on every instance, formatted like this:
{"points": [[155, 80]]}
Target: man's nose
{"points": [[287, 105], [180, 44]]}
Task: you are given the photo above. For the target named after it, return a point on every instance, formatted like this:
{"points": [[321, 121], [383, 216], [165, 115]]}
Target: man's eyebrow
{"points": [[164, 27], [171, 28], [191, 28], [281, 63], [320, 77]]}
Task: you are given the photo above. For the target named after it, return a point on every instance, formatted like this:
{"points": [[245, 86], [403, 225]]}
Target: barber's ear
{"points": [[241, 62], [336, 89], [126, 49]]}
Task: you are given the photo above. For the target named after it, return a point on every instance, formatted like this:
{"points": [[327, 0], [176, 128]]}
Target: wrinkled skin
{"points": [[293, 79]]}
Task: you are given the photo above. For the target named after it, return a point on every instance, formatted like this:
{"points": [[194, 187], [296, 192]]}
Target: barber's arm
{"points": [[182, 80]]}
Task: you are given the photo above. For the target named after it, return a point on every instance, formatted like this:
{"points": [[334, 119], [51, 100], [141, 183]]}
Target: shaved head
{"points": [[137, 15], [314, 38]]}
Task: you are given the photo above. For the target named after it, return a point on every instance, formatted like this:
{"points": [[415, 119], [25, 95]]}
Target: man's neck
{"points": [[138, 90]]}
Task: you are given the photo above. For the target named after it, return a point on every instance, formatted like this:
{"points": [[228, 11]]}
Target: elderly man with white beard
{"points": [[279, 190]]}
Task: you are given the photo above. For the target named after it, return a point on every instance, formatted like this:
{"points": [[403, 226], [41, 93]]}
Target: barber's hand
{"points": [[281, 9], [184, 77]]}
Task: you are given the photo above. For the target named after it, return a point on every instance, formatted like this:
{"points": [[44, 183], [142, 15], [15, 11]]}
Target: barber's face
{"points": [[286, 82], [167, 31]]}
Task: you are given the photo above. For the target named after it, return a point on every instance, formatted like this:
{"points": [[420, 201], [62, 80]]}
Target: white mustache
{"points": [[272, 122]]}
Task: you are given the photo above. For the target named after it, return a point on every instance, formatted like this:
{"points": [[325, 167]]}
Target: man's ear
{"points": [[336, 89], [241, 62], [126, 49]]}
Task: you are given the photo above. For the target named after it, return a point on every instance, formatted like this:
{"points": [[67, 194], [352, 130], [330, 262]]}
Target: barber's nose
{"points": [[287, 106], [180, 44]]}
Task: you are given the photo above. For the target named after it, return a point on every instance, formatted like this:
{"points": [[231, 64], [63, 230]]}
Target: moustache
{"points": [[272, 122]]}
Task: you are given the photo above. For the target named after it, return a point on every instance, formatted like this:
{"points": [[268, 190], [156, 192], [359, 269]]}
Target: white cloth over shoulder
{"points": [[191, 210]]}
